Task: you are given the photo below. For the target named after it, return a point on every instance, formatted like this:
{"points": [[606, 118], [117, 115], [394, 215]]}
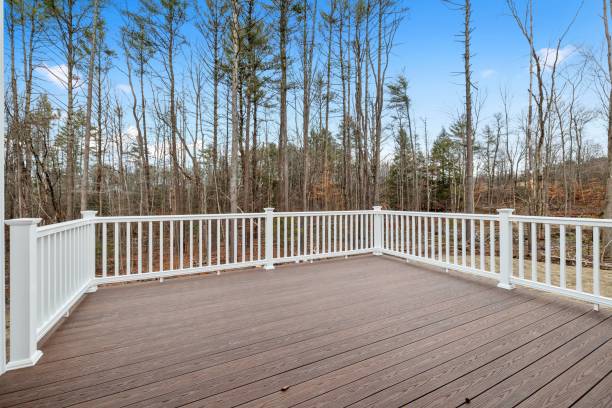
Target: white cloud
{"points": [[488, 73], [123, 88], [547, 55], [58, 75], [131, 132]]}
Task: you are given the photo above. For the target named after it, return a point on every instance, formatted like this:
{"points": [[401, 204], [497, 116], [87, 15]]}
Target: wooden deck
{"points": [[367, 331]]}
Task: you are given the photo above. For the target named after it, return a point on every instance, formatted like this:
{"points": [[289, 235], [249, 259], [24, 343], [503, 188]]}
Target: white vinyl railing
{"points": [[51, 267]]}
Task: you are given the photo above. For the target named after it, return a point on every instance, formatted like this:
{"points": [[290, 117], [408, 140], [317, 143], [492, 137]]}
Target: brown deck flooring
{"points": [[367, 331]]}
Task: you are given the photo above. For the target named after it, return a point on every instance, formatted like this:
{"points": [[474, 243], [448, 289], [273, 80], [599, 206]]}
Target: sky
{"points": [[429, 54]]}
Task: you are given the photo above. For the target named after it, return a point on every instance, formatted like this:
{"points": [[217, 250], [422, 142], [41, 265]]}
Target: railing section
{"points": [[51, 267]]}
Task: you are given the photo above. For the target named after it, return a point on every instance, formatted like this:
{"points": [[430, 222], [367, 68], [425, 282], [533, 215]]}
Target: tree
{"points": [[608, 207], [235, 32], [283, 163], [93, 35], [165, 20], [469, 128], [308, 41], [138, 49], [69, 16]]}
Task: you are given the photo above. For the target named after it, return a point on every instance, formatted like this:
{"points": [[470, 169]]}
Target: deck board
{"points": [[368, 331]]}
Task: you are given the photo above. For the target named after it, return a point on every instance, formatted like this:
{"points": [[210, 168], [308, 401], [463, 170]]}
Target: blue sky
{"points": [[430, 56]]}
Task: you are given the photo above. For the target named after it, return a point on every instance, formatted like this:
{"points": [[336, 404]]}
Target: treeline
{"points": [[177, 107]]}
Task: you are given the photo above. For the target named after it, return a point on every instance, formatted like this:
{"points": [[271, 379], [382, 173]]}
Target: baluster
{"points": [[409, 250], [578, 258], [323, 233], [278, 243], [161, 246], [51, 271], [492, 242], [292, 236], [128, 248], [463, 246], [455, 242], [171, 225], [234, 237], [56, 270], [104, 250], [250, 239], [209, 242], [335, 233], [361, 219], [299, 236], [418, 237], [596, 277], [181, 244], [140, 247], [317, 247], [426, 237], [396, 233], [402, 243], [41, 278], [440, 258], [534, 252], [243, 247], [116, 248], [391, 233], [432, 247], [218, 241], [259, 223], [339, 233], [285, 236], [521, 244], [329, 233], [562, 256], [483, 251], [310, 235], [547, 261], [200, 243], [473, 243], [190, 244], [150, 246], [447, 236]]}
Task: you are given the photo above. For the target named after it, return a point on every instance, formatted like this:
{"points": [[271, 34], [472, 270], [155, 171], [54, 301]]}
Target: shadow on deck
{"points": [[365, 331]]}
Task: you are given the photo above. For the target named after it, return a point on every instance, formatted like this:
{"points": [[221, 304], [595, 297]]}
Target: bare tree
{"points": [[235, 32], [608, 207], [93, 34]]}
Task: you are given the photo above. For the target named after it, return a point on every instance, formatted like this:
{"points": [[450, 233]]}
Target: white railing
{"points": [[51, 267]]}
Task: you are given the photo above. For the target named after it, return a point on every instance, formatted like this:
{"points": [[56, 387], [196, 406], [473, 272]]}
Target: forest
{"points": [[237, 105]]}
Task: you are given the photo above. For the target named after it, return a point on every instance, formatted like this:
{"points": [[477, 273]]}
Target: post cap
{"points": [[505, 211], [88, 214], [23, 221], [269, 209], [377, 208]]}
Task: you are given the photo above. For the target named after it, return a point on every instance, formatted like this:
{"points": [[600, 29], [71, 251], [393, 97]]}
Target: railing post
{"points": [[91, 247], [377, 230], [24, 294], [505, 248], [269, 238]]}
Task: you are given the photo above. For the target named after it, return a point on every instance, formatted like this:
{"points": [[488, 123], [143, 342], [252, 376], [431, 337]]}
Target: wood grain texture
{"points": [[369, 331]]}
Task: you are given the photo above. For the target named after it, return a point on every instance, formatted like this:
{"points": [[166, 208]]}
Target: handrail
{"points": [[53, 266]]}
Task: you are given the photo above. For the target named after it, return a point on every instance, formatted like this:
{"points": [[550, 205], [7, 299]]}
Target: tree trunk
{"points": [[88, 127], [233, 184], [469, 131]]}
